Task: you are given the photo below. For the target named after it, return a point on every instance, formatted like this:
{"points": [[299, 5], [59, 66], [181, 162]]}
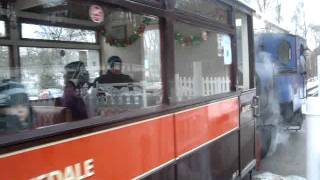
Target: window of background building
{"points": [[203, 61]]}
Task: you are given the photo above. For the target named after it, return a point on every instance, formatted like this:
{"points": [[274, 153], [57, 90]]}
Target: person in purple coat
{"points": [[72, 101]]}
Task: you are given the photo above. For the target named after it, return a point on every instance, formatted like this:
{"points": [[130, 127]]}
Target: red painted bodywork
{"points": [[198, 126], [128, 151]]}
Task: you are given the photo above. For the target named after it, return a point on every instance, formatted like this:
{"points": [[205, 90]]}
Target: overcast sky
{"points": [[312, 10]]}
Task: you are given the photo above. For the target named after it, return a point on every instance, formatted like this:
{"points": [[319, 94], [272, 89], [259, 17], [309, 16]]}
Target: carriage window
{"points": [[43, 69], [284, 52], [132, 49], [2, 29], [59, 85], [33, 31], [203, 61], [242, 51], [4, 63], [207, 8]]}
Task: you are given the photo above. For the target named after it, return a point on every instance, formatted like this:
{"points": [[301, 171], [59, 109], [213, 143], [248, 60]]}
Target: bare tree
{"points": [[62, 34], [278, 12], [315, 32], [270, 7], [299, 20], [263, 5]]}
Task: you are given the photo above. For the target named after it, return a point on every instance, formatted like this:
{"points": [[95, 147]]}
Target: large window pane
{"points": [[203, 60], [2, 29], [59, 85], [4, 63], [43, 69], [208, 8], [242, 51], [33, 31], [140, 56]]}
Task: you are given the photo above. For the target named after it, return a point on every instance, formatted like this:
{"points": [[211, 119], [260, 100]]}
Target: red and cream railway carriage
{"points": [[188, 114]]}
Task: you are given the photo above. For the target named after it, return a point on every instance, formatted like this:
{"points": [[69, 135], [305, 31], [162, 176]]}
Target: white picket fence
{"points": [[188, 87]]}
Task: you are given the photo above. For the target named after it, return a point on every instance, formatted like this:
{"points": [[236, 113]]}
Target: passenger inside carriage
{"points": [[114, 74], [15, 110], [73, 102], [124, 48]]}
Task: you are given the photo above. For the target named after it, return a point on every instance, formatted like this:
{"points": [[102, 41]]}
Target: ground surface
{"points": [[289, 157]]}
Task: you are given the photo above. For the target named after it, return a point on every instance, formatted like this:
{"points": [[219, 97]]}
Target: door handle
{"points": [[255, 106]]}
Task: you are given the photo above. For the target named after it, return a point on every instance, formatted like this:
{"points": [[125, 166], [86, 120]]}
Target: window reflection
{"points": [[203, 60], [207, 8]]}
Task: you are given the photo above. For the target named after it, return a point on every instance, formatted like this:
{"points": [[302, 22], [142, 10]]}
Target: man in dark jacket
{"points": [[114, 74]]}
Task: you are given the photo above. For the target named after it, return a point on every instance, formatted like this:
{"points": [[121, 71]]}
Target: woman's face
{"points": [[21, 111]]}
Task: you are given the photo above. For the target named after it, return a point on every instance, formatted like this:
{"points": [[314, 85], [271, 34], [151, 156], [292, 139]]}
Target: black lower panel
{"points": [[167, 173], [247, 143], [216, 161]]}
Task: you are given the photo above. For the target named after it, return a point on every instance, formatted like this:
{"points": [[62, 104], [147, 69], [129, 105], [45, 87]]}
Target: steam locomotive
{"points": [[280, 82]]}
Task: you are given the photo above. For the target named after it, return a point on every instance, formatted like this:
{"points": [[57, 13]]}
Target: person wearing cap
{"points": [[114, 74], [15, 109]]}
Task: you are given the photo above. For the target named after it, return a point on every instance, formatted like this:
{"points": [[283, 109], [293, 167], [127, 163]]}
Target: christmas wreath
{"points": [[137, 33]]}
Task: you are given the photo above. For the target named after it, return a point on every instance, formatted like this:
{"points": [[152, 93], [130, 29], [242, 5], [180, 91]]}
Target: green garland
{"points": [[184, 40], [129, 40], [187, 40]]}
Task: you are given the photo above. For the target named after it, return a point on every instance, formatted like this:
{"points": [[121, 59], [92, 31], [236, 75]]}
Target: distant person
{"points": [[114, 74], [15, 110], [72, 101]]}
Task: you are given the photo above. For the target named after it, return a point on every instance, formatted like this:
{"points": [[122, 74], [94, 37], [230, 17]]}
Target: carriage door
{"points": [[245, 84]]}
